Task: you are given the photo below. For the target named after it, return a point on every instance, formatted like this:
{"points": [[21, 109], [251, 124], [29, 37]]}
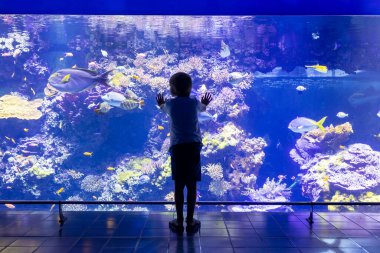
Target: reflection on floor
{"points": [[92, 232]]}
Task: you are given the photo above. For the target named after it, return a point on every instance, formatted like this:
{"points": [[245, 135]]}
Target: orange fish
{"points": [[10, 206]]}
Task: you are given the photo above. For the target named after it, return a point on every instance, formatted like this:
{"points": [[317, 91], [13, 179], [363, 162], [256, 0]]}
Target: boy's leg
{"points": [[191, 199], [179, 199]]}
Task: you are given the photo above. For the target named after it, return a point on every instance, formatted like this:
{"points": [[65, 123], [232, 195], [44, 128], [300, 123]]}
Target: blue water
{"points": [[77, 154]]}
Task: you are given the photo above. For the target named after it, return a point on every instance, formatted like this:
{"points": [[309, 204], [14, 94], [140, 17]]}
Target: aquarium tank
{"points": [[295, 114]]}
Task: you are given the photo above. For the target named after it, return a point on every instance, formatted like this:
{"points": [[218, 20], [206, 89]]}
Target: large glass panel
{"points": [[295, 115]]}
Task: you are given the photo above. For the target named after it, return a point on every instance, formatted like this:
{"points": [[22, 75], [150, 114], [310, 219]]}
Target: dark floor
{"points": [[221, 232]]}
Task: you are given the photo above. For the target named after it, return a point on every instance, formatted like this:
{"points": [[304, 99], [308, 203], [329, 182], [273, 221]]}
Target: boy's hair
{"points": [[180, 84]]}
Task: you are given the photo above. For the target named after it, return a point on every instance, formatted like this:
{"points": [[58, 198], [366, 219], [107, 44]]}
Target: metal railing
{"points": [[62, 218]]}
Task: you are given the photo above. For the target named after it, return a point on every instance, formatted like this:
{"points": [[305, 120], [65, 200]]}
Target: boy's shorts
{"points": [[186, 161]]}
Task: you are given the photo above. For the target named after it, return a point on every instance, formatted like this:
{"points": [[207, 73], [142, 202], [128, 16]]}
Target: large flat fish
{"points": [[76, 79]]}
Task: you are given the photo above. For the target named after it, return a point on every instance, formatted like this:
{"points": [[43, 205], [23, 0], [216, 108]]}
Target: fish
{"points": [[61, 59], [300, 88], [60, 190], [130, 104], [87, 153], [342, 115], [303, 125], [319, 68], [103, 108], [315, 36], [94, 197], [6, 137], [26, 130], [325, 178], [69, 54], [205, 116], [25, 79], [16, 53], [34, 93], [51, 208], [377, 136], [342, 147], [104, 53], [66, 78], [293, 178], [224, 50], [168, 135], [281, 177], [13, 140], [60, 124], [74, 67], [137, 78], [76, 80], [235, 106], [159, 127], [110, 168], [236, 77], [7, 54], [13, 74], [10, 206], [378, 114]]}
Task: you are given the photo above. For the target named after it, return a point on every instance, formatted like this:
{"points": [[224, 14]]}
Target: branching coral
{"points": [[219, 187], [215, 171], [159, 84], [219, 76], [92, 183], [17, 107]]}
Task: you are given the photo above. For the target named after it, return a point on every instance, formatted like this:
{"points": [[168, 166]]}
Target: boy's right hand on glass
{"points": [[160, 99], [206, 98]]}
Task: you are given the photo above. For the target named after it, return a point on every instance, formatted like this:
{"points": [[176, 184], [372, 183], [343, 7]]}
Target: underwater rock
{"points": [[316, 141], [17, 107], [355, 169]]}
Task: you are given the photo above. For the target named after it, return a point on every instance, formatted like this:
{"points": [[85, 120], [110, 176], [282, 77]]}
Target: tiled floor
{"points": [[92, 232]]}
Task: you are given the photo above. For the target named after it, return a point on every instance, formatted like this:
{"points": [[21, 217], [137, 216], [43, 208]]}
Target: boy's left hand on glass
{"points": [[206, 98], [160, 99]]}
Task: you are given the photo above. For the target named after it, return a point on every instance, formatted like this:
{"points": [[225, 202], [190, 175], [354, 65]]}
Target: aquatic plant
{"points": [[17, 107]]}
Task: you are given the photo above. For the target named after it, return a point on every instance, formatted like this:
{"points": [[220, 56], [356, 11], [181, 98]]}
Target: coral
{"points": [[317, 141], [224, 101], [127, 176], [369, 197], [144, 165], [76, 207], [41, 172], [170, 197], [219, 76], [339, 197], [357, 168], [228, 135], [18, 107], [272, 191], [215, 171], [219, 187], [74, 174], [35, 66], [193, 63], [159, 84], [92, 183]]}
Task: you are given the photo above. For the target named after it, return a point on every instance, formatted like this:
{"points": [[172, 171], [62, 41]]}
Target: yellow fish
{"points": [[10, 206], [235, 106], [87, 153], [25, 78], [26, 130], [34, 93], [342, 147], [13, 140], [6, 137], [110, 168], [319, 68], [66, 78], [159, 127], [325, 178], [94, 197], [137, 78], [168, 135], [60, 190], [74, 67]]}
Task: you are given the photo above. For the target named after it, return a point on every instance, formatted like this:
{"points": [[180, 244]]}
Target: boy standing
{"points": [[185, 146]]}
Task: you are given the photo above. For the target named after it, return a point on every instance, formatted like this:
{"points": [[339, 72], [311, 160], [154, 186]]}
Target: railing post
{"points": [[310, 219], [62, 218]]}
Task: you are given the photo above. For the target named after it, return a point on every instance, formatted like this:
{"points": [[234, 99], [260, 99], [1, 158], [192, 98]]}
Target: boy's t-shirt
{"points": [[183, 119]]}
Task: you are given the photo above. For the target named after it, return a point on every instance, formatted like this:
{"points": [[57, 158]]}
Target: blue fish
{"points": [[205, 116], [304, 125], [76, 79]]}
